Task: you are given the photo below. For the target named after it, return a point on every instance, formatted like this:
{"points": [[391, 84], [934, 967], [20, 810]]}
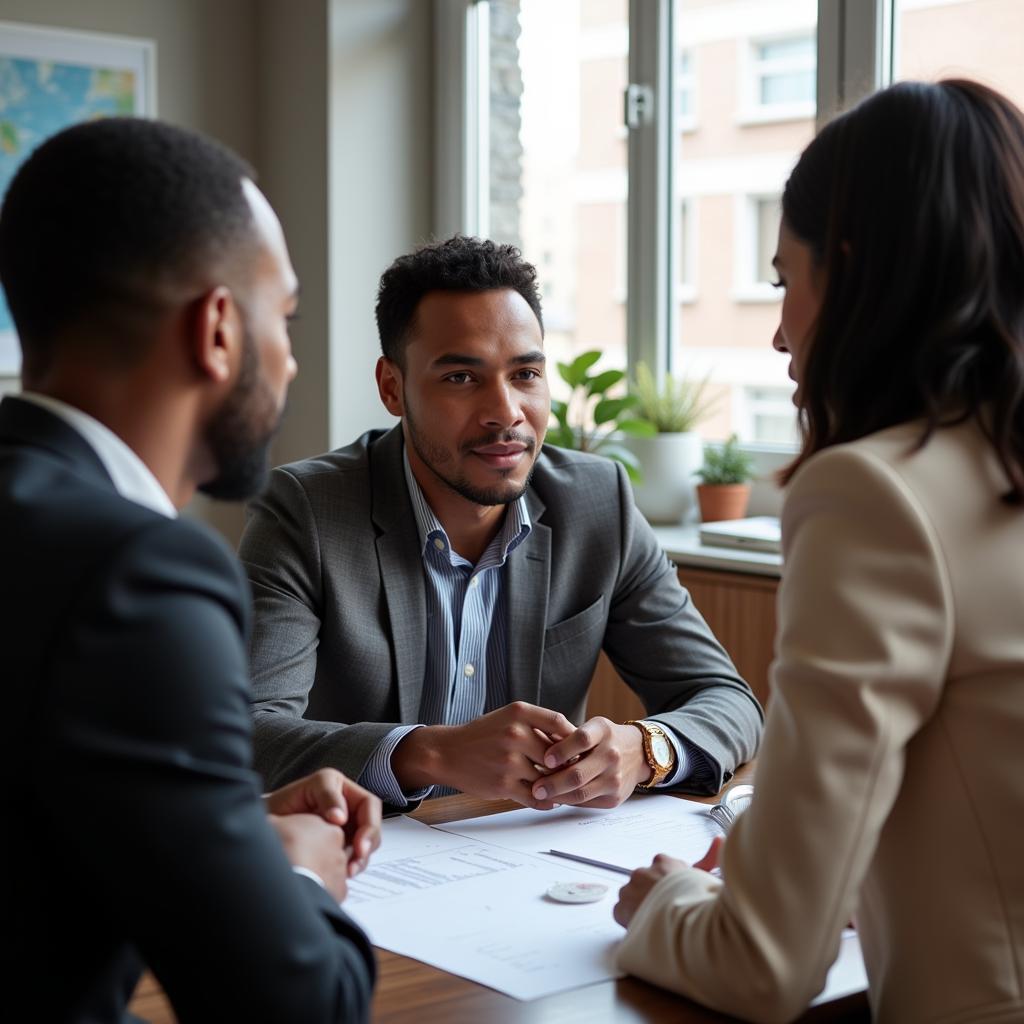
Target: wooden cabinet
{"points": [[739, 608]]}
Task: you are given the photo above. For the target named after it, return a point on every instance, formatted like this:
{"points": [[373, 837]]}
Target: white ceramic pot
{"points": [[669, 463]]}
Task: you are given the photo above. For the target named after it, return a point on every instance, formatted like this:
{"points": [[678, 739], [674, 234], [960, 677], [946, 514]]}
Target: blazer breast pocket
{"points": [[576, 626]]}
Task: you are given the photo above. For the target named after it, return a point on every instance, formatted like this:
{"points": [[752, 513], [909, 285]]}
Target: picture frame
{"points": [[51, 78]]}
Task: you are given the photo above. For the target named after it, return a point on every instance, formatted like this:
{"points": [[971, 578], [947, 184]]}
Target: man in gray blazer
{"points": [[431, 600]]}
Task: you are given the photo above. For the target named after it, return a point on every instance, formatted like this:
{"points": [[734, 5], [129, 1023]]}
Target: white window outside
{"points": [[780, 77], [688, 286], [686, 277], [686, 91], [756, 237], [765, 415]]}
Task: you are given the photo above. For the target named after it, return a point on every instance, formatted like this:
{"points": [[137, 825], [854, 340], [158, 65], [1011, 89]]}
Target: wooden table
{"points": [[410, 992]]}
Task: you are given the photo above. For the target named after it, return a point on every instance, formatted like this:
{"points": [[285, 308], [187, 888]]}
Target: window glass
{"points": [[786, 71], [787, 87], [753, 67], [558, 164], [769, 416], [800, 48], [767, 227], [686, 107], [685, 263]]}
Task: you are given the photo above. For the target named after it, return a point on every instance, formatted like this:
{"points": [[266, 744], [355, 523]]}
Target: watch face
{"points": [[661, 749]]}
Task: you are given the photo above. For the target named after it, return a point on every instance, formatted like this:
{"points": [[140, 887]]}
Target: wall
{"points": [[291, 100], [381, 133], [205, 54]]}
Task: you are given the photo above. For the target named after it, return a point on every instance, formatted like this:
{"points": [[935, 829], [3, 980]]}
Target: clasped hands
{"points": [[326, 824], [529, 754]]}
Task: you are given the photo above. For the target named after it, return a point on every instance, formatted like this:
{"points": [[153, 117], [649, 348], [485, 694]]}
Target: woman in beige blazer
{"points": [[890, 784]]}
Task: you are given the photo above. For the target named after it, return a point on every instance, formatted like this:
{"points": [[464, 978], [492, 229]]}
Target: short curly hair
{"points": [[458, 264]]}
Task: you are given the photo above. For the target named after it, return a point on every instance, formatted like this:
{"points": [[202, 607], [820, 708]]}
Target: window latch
{"points": [[639, 105]]}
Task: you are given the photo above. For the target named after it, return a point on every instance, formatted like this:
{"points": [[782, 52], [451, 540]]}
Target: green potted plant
{"points": [[591, 421], [724, 492], [671, 457]]}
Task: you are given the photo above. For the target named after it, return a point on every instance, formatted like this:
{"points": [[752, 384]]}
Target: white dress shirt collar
{"points": [[515, 528], [132, 478]]}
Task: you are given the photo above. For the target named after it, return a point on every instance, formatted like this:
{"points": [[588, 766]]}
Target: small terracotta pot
{"points": [[722, 501]]}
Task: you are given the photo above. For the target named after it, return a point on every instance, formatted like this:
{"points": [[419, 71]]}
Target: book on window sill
{"points": [[756, 533]]}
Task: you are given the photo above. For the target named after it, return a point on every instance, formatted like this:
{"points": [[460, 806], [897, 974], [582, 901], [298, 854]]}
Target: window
{"points": [[558, 163], [767, 416], [686, 92], [783, 76], [767, 214], [731, 170], [687, 262], [755, 238], [683, 208]]}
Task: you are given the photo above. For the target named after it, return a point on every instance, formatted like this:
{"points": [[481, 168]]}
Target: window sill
{"points": [[682, 544], [753, 116], [756, 292]]}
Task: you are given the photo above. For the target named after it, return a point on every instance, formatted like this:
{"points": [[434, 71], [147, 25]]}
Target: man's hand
{"points": [[499, 755], [312, 843], [339, 801], [643, 880], [597, 765]]}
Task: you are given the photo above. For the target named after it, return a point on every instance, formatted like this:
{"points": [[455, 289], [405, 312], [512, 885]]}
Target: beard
{"points": [[240, 432], [440, 461]]}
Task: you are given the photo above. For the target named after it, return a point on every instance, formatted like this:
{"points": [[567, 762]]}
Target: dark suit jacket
{"points": [[333, 554], [135, 829]]}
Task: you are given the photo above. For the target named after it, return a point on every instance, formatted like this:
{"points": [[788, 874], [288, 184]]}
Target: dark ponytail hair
{"points": [[913, 203]]}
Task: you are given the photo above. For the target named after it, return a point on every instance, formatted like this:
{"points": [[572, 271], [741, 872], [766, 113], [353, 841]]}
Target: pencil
{"points": [[591, 861]]}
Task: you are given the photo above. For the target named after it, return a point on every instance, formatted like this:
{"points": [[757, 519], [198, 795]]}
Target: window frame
{"points": [[854, 57]]}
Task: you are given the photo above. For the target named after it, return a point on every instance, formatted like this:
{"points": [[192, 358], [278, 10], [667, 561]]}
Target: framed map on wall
{"points": [[52, 78]]}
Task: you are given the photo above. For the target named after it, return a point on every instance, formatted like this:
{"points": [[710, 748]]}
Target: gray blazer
{"points": [[339, 646]]}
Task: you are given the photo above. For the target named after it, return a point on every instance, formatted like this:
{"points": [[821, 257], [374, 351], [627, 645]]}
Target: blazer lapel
{"points": [[401, 570], [527, 577]]}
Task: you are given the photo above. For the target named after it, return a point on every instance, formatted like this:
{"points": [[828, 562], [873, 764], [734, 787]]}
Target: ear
{"points": [[389, 386], [217, 335]]}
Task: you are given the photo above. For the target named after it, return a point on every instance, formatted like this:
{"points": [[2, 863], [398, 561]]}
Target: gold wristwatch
{"points": [[658, 750]]}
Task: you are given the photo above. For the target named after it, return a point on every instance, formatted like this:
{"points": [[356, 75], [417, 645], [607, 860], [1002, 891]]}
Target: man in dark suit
{"points": [[431, 601], [150, 285]]}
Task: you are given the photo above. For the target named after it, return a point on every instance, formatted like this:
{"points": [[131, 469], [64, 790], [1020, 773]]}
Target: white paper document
{"points": [[629, 836], [480, 911], [469, 897]]}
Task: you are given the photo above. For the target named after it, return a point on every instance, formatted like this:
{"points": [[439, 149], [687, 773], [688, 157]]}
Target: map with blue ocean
{"points": [[39, 98]]}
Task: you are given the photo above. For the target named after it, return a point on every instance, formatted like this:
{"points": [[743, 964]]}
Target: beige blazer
{"points": [[890, 783]]}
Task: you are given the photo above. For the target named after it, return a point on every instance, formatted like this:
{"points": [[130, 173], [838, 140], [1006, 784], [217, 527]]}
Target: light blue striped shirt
{"points": [[467, 641], [467, 636]]}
